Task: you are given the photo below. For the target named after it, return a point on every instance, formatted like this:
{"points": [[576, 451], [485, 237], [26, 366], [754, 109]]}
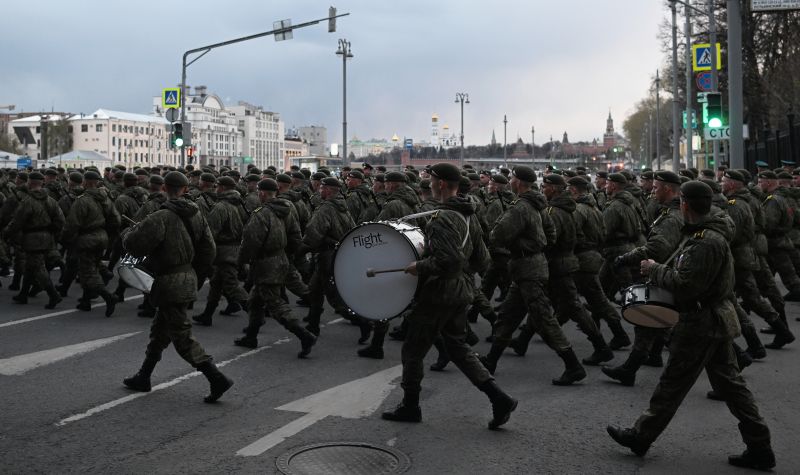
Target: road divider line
{"points": [[58, 314]]}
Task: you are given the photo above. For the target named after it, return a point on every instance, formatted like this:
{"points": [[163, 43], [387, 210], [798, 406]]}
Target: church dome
{"points": [[395, 138]]}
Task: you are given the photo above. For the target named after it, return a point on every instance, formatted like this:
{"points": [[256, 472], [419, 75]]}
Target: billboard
{"points": [[767, 5]]}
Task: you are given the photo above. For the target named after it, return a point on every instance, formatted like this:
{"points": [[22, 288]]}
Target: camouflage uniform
{"points": [[623, 232], [361, 204], [226, 220], [70, 270], [778, 218], [764, 277], [206, 201]]}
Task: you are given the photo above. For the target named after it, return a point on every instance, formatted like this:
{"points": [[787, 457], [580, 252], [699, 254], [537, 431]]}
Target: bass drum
{"points": [[132, 271], [646, 305], [377, 245]]}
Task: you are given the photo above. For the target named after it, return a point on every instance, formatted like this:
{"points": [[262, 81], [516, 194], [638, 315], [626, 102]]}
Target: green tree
{"points": [[9, 143], [59, 137]]}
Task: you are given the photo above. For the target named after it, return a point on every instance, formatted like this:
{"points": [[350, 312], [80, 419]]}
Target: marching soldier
{"points": [[177, 240], [701, 279], [251, 200], [360, 202], [600, 195], [207, 193], [497, 274], [86, 227], [379, 189], [778, 220], [226, 220], [454, 243], [36, 223], [18, 195], [272, 232], [70, 270]]}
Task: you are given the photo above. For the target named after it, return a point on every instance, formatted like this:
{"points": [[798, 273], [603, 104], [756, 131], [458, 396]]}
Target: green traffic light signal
{"points": [[177, 135], [714, 109]]}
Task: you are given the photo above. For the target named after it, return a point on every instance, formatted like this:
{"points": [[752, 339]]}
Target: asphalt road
{"points": [[65, 410]]}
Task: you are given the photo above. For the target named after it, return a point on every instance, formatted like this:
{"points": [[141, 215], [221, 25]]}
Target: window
{"points": [[113, 140], [84, 127], [38, 130], [113, 127], [98, 128]]}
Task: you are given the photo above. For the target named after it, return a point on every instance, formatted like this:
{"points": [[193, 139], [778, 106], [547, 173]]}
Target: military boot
{"points": [[626, 372], [206, 317], [111, 302], [141, 380], [502, 404], [375, 348], [754, 346], [307, 339], [793, 296], [628, 438], [399, 332], [783, 336], [442, 360], [471, 339], [472, 314], [314, 314], [490, 360], [119, 292], [620, 339], [759, 459], [232, 308], [250, 338], [15, 281], [218, 382], [34, 291], [53, 296], [743, 358], [406, 411], [22, 296], [521, 342], [366, 330], [573, 372], [602, 352], [655, 359]]}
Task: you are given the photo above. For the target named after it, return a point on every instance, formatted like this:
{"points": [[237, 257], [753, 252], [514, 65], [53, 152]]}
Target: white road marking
{"points": [[352, 400], [21, 364], [332, 322], [391, 442], [58, 314]]}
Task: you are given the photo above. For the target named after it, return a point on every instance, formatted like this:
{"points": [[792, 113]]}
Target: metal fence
{"points": [[773, 146]]}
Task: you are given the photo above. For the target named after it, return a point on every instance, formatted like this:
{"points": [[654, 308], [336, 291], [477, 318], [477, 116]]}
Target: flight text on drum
{"points": [[368, 241]]}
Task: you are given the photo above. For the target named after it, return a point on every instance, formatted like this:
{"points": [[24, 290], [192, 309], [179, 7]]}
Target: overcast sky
{"points": [[555, 64]]}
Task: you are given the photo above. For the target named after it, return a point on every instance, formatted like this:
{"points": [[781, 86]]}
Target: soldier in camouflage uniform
{"points": [[127, 204], [207, 196], [70, 270], [360, 202], [701, 279], [663, 239], [590, 234], [18, 195], [623, 232], [226, 220], [778, 220], [379, 189], [177, 241], [600, 195], [155, 199], [497, 274], [301, 272], [327, 227], [522, 232], [36, 223], [85, 230], [272, 232], [251, 200], [792, 197], [454, 244]]}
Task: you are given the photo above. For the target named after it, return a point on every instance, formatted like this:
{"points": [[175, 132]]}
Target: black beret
{"points": [[396, 177], [715, 187], [734, 175], [468, 167], [226, 182], [318, 176], [474, 177], [685, 179], [553, 179], [120, 167], [580, 169], [356, 174], [23, 176], [768, 175], [268, 184], [176, 179], [270, 173], [784, 176], [208, 177], [412, 177], [60, 170], [141, 171], [76, 177], [447, 172], [380, 178], [381, 168], [51, 172], [578, 182], [707, 172], [298, 175], [119, 174], [618, 178], [156, 180], [687, 173], [525, 174], [91, 175], [306, 173], [254, 171], [283, 178], [777, 170], [569, 173], [108, 169], [628, 175], [252, 177], [500, 179], [331, 181], [505, 171], [668, 177], [486, 172], [130, 178], [601, 174], [294, 167], [425, 184], [367, 166], [696, 189], [647, 175], [464, 184], [346, 169], [35, 176], [234, 173]]}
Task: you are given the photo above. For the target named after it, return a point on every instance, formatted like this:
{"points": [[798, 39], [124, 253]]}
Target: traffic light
{"points": [[177, 135], [714, 109], [331, 19]]}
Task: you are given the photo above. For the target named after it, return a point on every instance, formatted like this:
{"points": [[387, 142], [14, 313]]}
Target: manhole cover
{"points": [[345, 458]]}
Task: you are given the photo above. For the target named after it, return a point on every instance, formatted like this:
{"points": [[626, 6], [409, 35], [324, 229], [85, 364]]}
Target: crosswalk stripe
{"points": [[58, 314]]}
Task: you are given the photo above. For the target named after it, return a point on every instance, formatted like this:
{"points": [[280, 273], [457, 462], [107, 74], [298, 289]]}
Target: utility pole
{"points": [[344, 50], [676, 129], [658, 123], [650, 138], [463, 98], [533, 148], [735, 99], [505, 124], [689, 131]]}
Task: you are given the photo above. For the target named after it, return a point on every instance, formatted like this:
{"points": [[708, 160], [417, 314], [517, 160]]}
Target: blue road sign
{"points": [[171, 98], [409, 144], [23, 163]]}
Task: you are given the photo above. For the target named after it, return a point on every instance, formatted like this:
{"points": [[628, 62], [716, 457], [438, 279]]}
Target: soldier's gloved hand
{"points": [[242, 274], [619, 262]]}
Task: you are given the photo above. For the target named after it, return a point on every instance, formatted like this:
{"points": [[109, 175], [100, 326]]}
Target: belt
{"points": [[176, 270], [229, 242], [90, 230]]}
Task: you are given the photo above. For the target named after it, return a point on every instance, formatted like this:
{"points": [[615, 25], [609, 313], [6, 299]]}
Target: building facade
{"points": [[27, 129], [262, 135], [317, 139]]}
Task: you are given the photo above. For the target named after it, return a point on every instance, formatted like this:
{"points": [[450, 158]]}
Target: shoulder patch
{"points": [[435, 215], [257, 209], [549, 210], [699, 234], [732, 202]]}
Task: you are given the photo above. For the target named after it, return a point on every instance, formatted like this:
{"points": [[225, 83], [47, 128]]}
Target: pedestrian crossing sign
{"points": [[171, 98], [701, 57]]}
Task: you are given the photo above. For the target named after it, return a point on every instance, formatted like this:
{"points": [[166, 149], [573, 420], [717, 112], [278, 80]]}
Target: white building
{"points": [[216, 137], [317, 138], [28, 130], [435, 130], [263, 134]]}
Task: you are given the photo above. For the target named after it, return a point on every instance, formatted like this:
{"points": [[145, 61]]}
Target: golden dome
{"points": [[435, 117], [395, 138], [446, 126]]}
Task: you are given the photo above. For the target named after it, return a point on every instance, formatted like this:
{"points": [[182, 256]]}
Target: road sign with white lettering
{"points": [[171, 98], [723, 133], [767, 5], [701, 57]]}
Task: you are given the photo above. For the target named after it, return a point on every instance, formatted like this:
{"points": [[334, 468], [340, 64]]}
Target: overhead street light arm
{"points": [[702, 12]]}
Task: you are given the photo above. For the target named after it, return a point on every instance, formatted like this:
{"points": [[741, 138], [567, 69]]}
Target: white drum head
{"points": [[651, 316], [377, 246], [136, 278]]}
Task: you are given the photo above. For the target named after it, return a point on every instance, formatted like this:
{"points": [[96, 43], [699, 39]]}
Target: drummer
{"points": [[663, 239]]}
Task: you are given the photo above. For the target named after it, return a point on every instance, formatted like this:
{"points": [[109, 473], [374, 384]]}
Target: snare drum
{"points": [[133, 272], [646, 305], [377, 245]]}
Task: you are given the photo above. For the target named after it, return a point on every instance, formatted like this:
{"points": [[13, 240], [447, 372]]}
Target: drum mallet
{"points": [[372, 272]]}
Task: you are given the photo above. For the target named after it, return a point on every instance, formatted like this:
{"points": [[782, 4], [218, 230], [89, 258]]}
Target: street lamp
{"points": [[462, 97], [345, 53], [505, 127]]}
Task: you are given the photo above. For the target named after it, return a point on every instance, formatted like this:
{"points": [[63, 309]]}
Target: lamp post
{"points": [[463, 98], [505, 127], [533, 148], [658, 123], [345, 53]]}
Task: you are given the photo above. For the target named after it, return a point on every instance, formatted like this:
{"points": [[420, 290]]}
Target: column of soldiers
{"points": [[254, 236]]}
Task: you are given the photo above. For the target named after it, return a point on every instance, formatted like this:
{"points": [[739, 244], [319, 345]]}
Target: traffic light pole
{"points": [[689, 131], [712, 33], [735, 101], [205, 49]]}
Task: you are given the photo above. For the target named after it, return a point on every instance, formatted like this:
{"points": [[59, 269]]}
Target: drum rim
{"points": [[336, 251], [633, 305]]}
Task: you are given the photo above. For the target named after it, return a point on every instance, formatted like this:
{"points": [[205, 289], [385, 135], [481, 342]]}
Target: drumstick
{"points": [[371, 272], [129, 219]]}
